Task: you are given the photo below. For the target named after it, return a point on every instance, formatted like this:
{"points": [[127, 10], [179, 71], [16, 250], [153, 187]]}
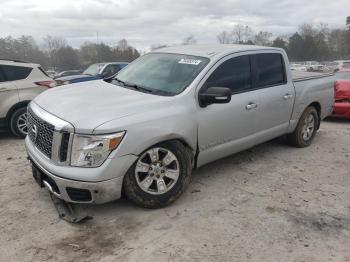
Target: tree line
{"points": [[310, 42], [56, 54]]}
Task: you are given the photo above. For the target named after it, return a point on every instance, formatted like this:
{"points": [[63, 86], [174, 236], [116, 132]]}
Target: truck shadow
{"points": [[201, 176], [337, 120], [6, 135]]}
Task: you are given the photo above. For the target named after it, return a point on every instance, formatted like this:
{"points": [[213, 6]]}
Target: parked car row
{"points": [[21, 82], [325, 66], [93, 72], [67, 73]]}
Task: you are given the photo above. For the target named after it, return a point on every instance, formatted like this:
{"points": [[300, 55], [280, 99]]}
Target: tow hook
{"points": [[73, 213]]}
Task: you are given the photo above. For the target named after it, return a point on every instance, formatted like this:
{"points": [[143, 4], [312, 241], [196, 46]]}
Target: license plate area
{"points": [[44, 180], [37, 175]]}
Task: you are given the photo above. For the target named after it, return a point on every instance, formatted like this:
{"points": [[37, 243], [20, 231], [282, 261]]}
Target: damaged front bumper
{"points": [[80, 185], [77, 191]]}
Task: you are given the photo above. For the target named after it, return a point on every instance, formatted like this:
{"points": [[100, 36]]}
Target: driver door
{"points": [[224, 129]]}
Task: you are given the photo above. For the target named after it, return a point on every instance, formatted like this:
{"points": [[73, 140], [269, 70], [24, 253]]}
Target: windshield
{"points": [[343, 75], [93, 69], [166, 73]]}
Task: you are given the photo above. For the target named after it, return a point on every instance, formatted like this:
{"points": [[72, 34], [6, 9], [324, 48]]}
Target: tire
{"points": [[304, 133], [143, 182], [17, 122]]}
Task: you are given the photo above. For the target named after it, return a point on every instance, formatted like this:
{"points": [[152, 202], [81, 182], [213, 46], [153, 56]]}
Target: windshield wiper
{"points": [[134, 86], [143, 89]]}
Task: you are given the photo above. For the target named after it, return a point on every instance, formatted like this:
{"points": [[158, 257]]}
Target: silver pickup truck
{"points": [[143, 131]]}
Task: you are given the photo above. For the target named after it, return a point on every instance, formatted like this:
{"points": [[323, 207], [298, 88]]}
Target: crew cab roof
{"points": [[212, 50]]}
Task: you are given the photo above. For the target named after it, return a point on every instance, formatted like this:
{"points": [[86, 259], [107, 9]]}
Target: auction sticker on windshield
{"points": [[190, 61]]}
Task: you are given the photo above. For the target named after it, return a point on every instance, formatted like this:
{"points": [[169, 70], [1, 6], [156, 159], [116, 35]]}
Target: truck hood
{"points": [[88, 105]]}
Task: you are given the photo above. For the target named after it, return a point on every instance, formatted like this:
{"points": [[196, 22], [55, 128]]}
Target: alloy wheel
{"points": [[157, 171]]}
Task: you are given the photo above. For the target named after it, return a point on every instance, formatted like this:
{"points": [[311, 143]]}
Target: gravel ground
{"points": [[270, 203]]}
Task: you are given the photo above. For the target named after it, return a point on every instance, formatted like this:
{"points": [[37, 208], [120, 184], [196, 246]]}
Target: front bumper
{"points": [[78, 191], [103, 183]]}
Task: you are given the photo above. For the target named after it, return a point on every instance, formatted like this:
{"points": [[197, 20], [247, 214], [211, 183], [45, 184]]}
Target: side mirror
{"points": [[215, 95]]}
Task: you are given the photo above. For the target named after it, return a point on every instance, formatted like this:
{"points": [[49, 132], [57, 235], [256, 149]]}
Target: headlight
{"points": [[93, 150]]}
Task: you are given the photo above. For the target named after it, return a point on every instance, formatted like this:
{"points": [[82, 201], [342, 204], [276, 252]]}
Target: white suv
{"points": [[20, 82]]}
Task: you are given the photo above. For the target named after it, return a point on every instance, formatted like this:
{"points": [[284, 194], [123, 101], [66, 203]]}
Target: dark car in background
{"points": [[93, 72], [68, 73]]}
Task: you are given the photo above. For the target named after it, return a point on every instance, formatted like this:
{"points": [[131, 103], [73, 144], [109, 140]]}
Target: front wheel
{"points": [[18, 122], [159, 176], [306, 128]]}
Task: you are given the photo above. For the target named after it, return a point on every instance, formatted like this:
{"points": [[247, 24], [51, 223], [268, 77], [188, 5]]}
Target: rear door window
{"points": [[13, 73], [270, 70]]}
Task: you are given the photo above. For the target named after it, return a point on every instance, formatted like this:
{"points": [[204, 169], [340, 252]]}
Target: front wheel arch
{"points": [[135, 194]]}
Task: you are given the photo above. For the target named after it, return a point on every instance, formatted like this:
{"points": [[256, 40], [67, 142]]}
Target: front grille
{"points": [[64, 147], [40, 133]]}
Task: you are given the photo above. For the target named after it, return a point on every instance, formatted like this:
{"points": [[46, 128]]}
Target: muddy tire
{"points": [[306, 129], [18, 122], [159, 176]]}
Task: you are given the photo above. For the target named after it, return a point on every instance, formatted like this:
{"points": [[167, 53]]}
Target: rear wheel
{"points": [[159, 176], [18, 122], [306, 128]]}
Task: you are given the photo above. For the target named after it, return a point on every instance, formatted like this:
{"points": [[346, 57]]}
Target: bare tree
{"points": [[190, 40], [224, 38], [52, 44], [263, 38], [241, 33], [123, 45]]}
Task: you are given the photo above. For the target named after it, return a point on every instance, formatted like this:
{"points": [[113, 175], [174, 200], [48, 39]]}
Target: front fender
{"points": [[152, 127]]}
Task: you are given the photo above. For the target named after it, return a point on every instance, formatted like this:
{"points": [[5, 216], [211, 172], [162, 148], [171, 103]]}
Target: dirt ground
{"points": [[270, 203]]}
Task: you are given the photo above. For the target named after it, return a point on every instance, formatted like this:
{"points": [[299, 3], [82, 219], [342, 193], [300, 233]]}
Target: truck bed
{"points": [[312, 86], [301, 76]]}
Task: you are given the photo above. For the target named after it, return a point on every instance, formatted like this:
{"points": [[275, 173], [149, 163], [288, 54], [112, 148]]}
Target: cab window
{"points": [[270, 70], [235, 73]]}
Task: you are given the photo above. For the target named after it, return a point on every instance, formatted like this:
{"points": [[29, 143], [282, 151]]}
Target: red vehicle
{"points": [[341, 106]]}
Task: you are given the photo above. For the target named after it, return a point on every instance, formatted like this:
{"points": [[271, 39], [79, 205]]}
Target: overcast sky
{"points": [[146, 22]]}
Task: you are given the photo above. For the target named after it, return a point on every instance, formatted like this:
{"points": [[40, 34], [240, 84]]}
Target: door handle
{"points": [[251, 106], [287, 96]]}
